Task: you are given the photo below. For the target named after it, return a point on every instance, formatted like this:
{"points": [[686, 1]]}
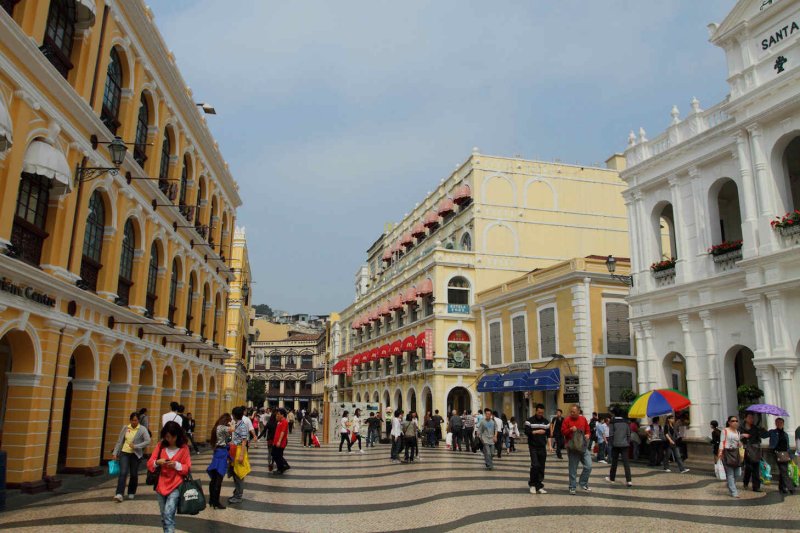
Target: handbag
{"points": [[731, 457], [191, 499], [577, 442], [753, 452], [765, 471], [113, 468], [242, 469], [719, 471], [152, 477], [780, 457]]}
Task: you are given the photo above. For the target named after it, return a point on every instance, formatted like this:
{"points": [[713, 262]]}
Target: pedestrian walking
{"points": [[144, 420], [682, 426], [396, 435], [715, 438], [438, 420], [255, 419], [355, 428], [506, 432], [456, 427], [272, 426], [220, 437], [671, 446], [537, 429], [593, 425], [487, 433], [513, 434], [290, 420], [172, 415], [619, 437], [655, 442], [306, 427], [409, 438], [417, 434], [190, 425], [251, 432], [172, 460], [430, 431], [636, 440], [239, 441], [469, 429], [751, 440], [576, 432], [557, 437], [601, 437], [729, 454], [499, 427], [373, 429], [263, 418], [280, 442], [779, 443], [344, 432], [132, 440]]}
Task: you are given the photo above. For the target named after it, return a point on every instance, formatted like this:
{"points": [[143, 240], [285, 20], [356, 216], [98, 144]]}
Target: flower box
{"points": [[725, 247], [664, 273], [789, 231], [666, 264], [788, 220], [732, 256]]}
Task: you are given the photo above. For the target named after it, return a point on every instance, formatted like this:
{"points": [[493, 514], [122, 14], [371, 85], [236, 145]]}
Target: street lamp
{"points": [[116, 149], [245, 291], [611, 265], [207, 108]]}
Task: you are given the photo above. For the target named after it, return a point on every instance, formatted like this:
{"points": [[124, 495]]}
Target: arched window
{"points": [[203, 313], [201, 192], [458, 349], [665, 233], [112, 94], [126, 264], [163, 171], [184, 183], [28, 232], [59, 35], [791, 166], [727, 228], [214, 317], [291, 362], [142, 122], [466, 242], [275, 361], [190, 303], [173, 291], [152, 280], [93, 241], [307, 362], [458, 295]]}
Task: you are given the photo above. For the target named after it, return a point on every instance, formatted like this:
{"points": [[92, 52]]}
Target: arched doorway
{"points": [[412, 400], [427, 401], [375, 397], [739, 371], [398, 399], [459, 399], [674, 366], [17, 356], [116, 403], [212, 401], [167, 392], [74, 448], [386, 400]]}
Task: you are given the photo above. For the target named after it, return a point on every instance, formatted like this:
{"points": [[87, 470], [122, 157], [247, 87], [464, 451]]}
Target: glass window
{"points": [[275, 361], [28, 232], [547, 331], [112, 94], [466, 242], [619, 381], [142, 121], [520, 341], [190, 303], [173, 290], [458, 291], [495, 346], [458, 349], [93, 241], [163, 171], [59, 35], [126, 263], [618, 332], [203, 313], [291, 361], [184, 181], [152, 279]]}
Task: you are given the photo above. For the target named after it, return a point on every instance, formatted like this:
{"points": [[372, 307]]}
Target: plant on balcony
{"points": [[724, 247], [786, 221], [666, 264]]}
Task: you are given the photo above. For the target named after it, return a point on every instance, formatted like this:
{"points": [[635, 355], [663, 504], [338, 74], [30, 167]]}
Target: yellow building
{"points": [[410, 339], [239, 324], [114, 264], [556, 336]]}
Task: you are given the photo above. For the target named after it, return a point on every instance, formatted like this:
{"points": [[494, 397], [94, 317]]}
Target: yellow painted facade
{"points": [[114, 292], [490, 221], [574, 309], [239, 324]]}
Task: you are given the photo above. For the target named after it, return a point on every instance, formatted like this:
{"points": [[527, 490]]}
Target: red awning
{"points": [[338, 367], [396, 247], [374, 316], [421, 340], [418, 230], [463, 194], [425, 288], [410, 296], [374, 354], [396, 348], [445, 206], [431, 219], [384, 309], [410, 343], [383, 352], [396, 303], [387, 255], [407, 239]]}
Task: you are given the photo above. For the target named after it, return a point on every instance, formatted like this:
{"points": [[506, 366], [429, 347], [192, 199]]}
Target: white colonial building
{"points": [[721, 176]]}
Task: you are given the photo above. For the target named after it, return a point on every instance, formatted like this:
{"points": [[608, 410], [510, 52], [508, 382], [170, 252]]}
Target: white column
{"points": [[789, 397], [653, 382], [781, 340], [697, 421], [643, 232], [712, 362], [641, 358], [702, 233], [768, 200], [767, 383], [634, 238], [683, 270], [747, 196]]}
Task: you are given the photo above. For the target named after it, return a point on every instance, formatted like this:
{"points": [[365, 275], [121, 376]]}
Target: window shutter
{"points": [[519, 337], [494, 343], [617, 382], [547, 331], [618, 336]]}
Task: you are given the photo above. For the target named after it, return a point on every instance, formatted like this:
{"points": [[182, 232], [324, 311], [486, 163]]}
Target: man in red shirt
{"points": [[574, 424], [280, 441]]}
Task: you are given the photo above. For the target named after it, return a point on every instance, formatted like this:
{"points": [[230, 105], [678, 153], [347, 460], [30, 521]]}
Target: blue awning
{"points": [[541, 380]]}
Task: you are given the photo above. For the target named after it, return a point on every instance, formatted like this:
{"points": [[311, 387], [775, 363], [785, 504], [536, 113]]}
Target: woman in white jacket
{"points": [[355, 427]]}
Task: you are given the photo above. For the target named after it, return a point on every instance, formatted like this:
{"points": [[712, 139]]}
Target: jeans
{"points": [[585, 458], [538, 459], [277, 456], [656, 452], [128, 465], [432, 438], [466, 437], [730, 478], [559, 445], [488, 454], [601, 451], [752, 470], [307, 437], [238, 487], [616, 453], [372, 436], [457, 439], [411, 448], [397, 443], [168, 505], [672, 450], [784, 483], [345, 438], [635, 450]]}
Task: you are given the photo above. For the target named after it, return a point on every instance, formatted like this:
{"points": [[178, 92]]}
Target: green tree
{"points": [[747, 396], [257, 392], [264, 310]]}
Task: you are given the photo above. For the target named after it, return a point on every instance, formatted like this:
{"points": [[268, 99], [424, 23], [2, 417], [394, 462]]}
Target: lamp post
{"points": [[611, 265], [116, 149]]}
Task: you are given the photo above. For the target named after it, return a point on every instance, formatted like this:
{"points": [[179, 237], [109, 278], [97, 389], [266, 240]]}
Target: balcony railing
{"points": [[90, 272], [27, 241]]}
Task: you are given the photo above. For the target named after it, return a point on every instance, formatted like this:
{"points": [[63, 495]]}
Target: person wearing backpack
{"points": [[307, 428], [619, 436], [577, 433]]}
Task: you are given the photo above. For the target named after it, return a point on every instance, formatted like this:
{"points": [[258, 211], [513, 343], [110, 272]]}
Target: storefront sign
{"points": [[462, 309], [28, 293], [780, 33], [571, 397], [571, 384], [599, 362], [429, 345]]}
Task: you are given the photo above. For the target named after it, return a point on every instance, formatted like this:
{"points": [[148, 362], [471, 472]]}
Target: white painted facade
{"points": [[683, 189]]}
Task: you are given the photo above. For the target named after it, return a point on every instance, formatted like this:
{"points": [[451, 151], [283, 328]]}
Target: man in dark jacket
{"points": [[555, 432], [537, 429], [751, 440], [619, 438], [456, 427]]}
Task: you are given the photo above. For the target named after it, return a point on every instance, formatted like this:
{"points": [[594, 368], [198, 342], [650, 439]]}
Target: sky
{"points": [[337, 117]]}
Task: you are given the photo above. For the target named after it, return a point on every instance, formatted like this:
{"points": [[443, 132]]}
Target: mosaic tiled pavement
{"points": [[446, 491]]}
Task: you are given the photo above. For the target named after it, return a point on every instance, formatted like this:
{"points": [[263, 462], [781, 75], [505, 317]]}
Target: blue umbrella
{"points": [[767, 409]]}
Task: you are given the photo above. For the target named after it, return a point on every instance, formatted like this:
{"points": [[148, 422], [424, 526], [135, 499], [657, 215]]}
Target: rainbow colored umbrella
{"points": [[658, 402]]}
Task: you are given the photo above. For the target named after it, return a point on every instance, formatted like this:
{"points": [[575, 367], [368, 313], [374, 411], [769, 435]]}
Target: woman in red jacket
{"points": [[174, 460]]}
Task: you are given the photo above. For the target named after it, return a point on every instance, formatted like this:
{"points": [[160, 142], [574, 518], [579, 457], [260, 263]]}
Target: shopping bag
{"points": [[766, 472], [353, 437], [113, 468], [315, 440], [242, 469], [191, 499], [719, 471], [448, 441], [794, 474]]}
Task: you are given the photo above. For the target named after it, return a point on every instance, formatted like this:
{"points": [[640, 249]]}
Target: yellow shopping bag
{"points": [[241, 469]]}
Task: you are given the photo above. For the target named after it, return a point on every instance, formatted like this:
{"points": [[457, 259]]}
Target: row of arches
{"points": [[457, 397]]}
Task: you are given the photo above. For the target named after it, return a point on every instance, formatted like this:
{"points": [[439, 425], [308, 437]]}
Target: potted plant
{"points": [[665, 264], [787, 222], [725, 247], [747, 396]]}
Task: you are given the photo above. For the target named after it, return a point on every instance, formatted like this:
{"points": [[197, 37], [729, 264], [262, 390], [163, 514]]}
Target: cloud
{"points": [[337, 117]]}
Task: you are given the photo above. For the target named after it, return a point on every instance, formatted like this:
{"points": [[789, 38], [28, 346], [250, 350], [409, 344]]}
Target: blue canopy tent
{"points": [[538, 380]]}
